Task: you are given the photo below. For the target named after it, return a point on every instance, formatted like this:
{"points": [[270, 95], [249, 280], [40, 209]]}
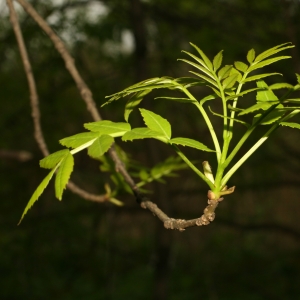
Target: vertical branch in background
{"points": [[34, 101]]}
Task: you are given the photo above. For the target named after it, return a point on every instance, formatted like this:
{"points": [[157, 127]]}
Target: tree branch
{"points": [[86, 94], [34, 102]]}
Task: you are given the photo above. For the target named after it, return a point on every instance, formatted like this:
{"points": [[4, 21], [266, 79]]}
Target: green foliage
{"points": [[227, 84]]}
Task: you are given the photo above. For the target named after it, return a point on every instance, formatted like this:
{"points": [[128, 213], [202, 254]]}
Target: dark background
{"points": [[77, 249]]}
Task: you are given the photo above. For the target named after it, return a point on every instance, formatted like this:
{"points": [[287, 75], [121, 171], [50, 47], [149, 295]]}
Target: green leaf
{"points": [[53, 159], [79, 139], [63, 175], [156, 123], [266, 62], [190, 143], [235, 71], [134, 101], [281, 85], [108, 127], [143, 133], [241, 94], [241, 66], [37, 193], [257, 106], [224, 72], [272, 117], [290, 124], [209, 80], [182, 100], [236, 120], [207, 62], [204, 70], [298, 78], [230, 81], [189, 81], [265, 94], [272, 51], [217, 61], [257, 77], [207, 98], [251, 55], [100, 146]]}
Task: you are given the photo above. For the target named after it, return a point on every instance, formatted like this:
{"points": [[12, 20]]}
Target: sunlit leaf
{"points": [[272, 117], [298, 78], [225, 71], [209, 80], [235, 71], [100, 146], [190, 143], [217, 61], [204, 70], [189, 81], [53, 159], [230, 81], [234, 119], [37, 193], [266, 62], [251, 55], [257, 77], [182, 100], [241, 94], [257, 106], [156, 122], [207, 98], [133, 102], [290, 124], [240, 66], [108, 127], [281, 85], [265, 94], [79, 139], [272, 51], [204, 57], [143, 133], [63, 175]]}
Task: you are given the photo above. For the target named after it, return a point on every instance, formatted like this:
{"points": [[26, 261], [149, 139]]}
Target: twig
{"points": [[17, 155], [34, 101], [86, 95]]}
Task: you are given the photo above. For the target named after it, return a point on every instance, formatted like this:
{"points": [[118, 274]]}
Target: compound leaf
{"points": [[63, 175], [230, 81], [182, 100], [224, 72], [282, 85], [272, 51], [257, 106]]}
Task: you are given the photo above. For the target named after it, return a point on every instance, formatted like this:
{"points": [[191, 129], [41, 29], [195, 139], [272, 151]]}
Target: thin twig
{"points": [[34, 101]]}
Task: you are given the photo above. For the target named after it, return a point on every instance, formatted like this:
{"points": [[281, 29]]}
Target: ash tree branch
{"points": [[86, 94], [34, 102]]}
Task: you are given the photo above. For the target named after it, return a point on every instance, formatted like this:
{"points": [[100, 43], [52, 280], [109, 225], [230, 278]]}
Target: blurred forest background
{"points": [[77, 249]]}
